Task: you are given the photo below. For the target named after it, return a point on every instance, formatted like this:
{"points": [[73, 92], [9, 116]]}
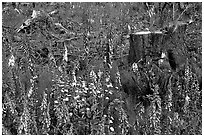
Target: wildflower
{"points": [[135, 67], [11, 61]]}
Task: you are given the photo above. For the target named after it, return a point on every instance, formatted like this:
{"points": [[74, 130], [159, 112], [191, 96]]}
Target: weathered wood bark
{"points": [[144, 44]]}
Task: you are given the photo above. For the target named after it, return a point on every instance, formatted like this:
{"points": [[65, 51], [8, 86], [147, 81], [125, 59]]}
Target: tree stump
{"points": [[143, 44]]}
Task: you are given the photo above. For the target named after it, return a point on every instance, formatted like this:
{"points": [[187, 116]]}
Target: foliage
{"points": [[64, 67]]}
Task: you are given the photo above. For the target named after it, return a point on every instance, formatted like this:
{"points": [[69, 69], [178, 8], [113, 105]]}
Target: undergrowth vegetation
{"points": [[64, 67]]}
